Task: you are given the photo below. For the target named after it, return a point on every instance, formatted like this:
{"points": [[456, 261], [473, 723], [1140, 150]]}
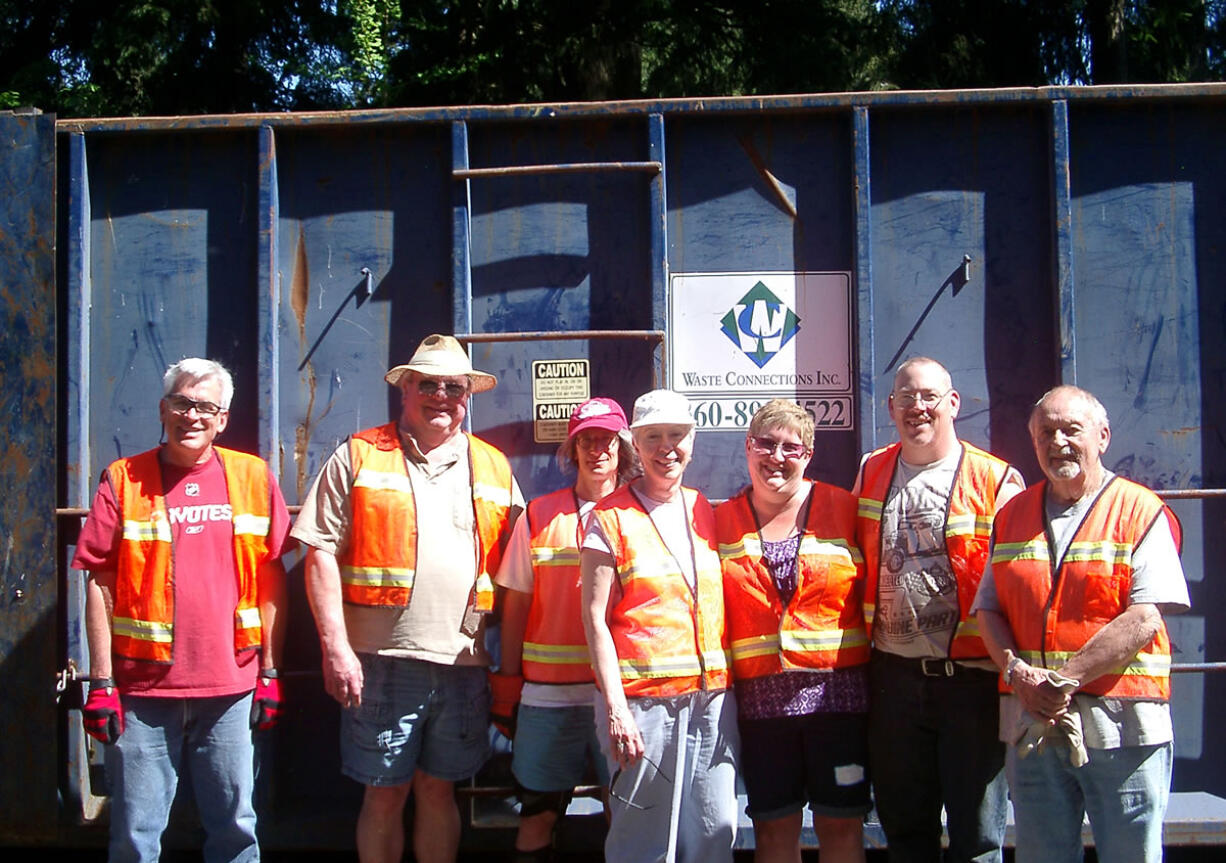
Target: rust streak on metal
{"points": [[302, 436], [300, 284]]}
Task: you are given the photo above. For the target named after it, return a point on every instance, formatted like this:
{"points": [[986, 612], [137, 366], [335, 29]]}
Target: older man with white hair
{"points": [[183, 545], [1083, 567], [407, 523]]}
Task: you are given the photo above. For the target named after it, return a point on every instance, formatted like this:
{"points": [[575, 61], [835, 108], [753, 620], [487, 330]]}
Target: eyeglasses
{"points": [[428, 387], [923, 400], [182, 405], [595, 443], [626, 800], [767, 446]]}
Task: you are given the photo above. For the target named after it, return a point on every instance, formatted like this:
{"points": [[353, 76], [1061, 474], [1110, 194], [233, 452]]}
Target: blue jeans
{"points": [[211, 738], [1125, 792], [933, 741]]}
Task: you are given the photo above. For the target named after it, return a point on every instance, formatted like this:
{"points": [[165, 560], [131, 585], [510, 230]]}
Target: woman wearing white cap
{"points": [[653, 609], [542, 693]]}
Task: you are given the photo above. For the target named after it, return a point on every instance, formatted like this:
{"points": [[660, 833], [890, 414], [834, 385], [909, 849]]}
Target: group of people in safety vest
{"points": [[936, 640]]}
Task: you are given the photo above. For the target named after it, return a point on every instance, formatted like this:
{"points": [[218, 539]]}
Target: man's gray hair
{"points": [[195, 369], [1098, 413]]}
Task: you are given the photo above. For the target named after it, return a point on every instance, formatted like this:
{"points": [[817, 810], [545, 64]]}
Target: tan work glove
{"points": [[1034, 734]]}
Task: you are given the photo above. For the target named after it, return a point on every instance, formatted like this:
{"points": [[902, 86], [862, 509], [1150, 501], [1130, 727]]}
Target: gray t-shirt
{"points": [[436, 625], [1157, 577], [917, 595]]}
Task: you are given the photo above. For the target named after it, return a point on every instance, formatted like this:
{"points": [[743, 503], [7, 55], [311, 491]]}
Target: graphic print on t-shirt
{"points": [[917, 599]]}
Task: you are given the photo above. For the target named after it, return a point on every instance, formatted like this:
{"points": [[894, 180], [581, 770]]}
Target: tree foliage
{"points": [[129, 57]]}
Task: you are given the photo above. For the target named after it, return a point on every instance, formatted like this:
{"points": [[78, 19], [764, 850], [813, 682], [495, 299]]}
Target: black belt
{"points": [[926, 666]]}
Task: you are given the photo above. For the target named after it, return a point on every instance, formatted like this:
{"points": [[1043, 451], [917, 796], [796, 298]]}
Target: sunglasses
{"points": [[428, 387]]}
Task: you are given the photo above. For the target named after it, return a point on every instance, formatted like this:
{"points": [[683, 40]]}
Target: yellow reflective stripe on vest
{"points": [[555, 557], [556, 654], [870, 611], [1006, 552], [746, 545], [755, 646], [823, 641], [868, 508], [715, 660], [251, 525], [143, 630], [248, 618], [641, 669], [157, 529], [968, 628], [969, 524], [382, 480], [1143, 664], [811, 546], [1113, 553], [495, 494], [377, 576]]}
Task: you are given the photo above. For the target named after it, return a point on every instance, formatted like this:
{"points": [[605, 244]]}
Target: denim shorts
{"points": [[415, 714], [820, 759], [554, 746]]}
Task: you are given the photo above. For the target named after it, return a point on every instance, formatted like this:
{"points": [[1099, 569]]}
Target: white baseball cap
{"points": [[661, 407]]}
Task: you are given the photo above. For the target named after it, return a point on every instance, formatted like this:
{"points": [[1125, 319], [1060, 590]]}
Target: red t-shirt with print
{"points": [[205, 582]]}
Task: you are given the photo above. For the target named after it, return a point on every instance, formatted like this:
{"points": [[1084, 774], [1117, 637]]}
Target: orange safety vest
{"points": [[968, 529], [823, 624], [143, 619], [555, 646], [670, 638], [379, 564], [1053, 611]]}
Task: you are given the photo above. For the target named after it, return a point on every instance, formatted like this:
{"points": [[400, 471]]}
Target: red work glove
{"points": [[266, 703], [103, 713], [504, 702]]}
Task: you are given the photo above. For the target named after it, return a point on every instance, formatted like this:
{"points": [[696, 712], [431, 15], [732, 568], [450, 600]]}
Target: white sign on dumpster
{"points": [[558, 387], [738, 340]]}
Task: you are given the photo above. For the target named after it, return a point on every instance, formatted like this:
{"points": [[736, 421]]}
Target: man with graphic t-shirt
{"points": [[925, 516], [183, 546]]}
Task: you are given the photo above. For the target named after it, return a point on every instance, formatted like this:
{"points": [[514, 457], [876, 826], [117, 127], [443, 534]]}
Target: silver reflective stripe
{"points": [[251, 525], [495, 494], [383, 481], [249, 618]]}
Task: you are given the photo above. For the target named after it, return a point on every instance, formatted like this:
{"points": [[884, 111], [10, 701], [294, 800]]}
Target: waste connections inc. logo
{"points": [[760, 324]]}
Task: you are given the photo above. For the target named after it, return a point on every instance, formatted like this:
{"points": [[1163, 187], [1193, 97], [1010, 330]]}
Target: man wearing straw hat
{"points": [[406, 525]]}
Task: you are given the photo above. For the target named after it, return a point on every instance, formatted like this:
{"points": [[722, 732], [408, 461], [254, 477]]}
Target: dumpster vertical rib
{"points": [[461, 245], [78, 467], [77, 375], [863, 219], [269, 302], [659, 243], [1062, 221]]}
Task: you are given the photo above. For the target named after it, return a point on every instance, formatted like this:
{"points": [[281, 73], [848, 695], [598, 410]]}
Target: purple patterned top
{"points": [[798, 693]]}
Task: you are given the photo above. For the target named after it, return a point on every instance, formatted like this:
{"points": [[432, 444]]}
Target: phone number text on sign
{"points": [[732, 414]]}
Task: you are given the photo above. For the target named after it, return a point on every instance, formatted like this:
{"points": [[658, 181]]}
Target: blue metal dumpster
{"points": [[734, 249]]}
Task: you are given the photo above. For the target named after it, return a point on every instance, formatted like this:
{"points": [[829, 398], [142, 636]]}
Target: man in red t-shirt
{"points": [[183, 546]]}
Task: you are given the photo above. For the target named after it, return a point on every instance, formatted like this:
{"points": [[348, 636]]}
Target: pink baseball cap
{"points": [[596, 413]]}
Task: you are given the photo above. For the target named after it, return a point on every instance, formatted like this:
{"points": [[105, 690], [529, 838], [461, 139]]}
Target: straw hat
{"points": [[442, 356]]}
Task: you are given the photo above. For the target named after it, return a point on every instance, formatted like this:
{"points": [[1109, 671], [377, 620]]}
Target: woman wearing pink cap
{"points": [[545, 669]]}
